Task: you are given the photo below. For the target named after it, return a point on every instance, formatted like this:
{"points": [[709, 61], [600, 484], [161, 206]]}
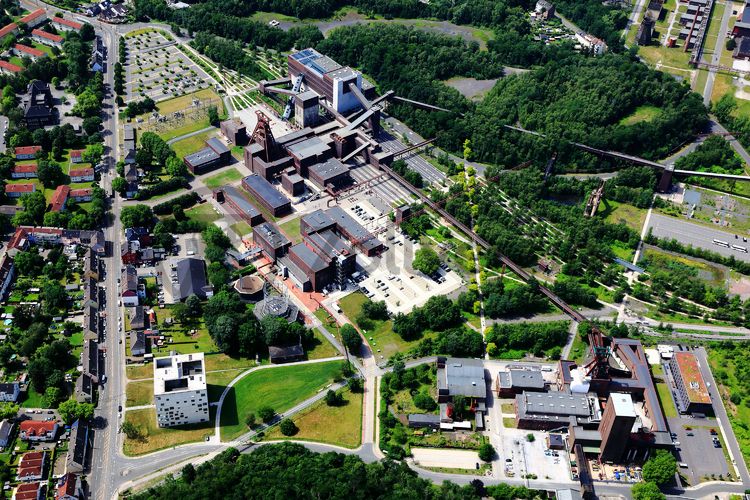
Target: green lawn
{"points": [[137, 372], [191, 144], [229, 176], [645, 113], [291, 229], [203, 213], [381, 337], [320, 347], [616, 213], [155, 438], [242, 228], [315, 423], [665, 400], [279, 388], [33, 399], [139, 393], [218, 380]]}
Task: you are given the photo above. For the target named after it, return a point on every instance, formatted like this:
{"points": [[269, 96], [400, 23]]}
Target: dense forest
{"points": [[290, 470]]}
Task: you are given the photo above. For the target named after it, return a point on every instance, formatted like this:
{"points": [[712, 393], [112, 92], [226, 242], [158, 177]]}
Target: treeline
{"points": [[227, 53], [289, 470], [229, 21], [437, 314], [603, 20], [511, 339], [633, 185]]}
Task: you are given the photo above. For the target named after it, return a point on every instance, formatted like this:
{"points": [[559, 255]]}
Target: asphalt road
{"points": [[689, 233], [716, 56]]}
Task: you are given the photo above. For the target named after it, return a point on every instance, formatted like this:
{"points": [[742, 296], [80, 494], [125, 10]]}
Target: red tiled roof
{"points": [[66, 486], [8, 29], [24, 169], [37, 427], [17, 238], [48, 36], [24, 187], [27, 491], [10, 67], [81, 172], [29, 50], [27, 150], [59, 198], [76, 193], [31, 464], [31, 16], [76, 152], [67, 22]]}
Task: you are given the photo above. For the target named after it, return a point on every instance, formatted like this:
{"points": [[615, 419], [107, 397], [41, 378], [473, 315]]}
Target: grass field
{"points": [[728, 366], [643, 113], [509, 422], [186, 101], [280, 388], [155, 438], [665, 399], [135, 372], [191, 144], [615, 213], [139, 393], [315, 423], [291, 229], [203, 213], [382, 339], [320, 347], [218, 380], [242, 228], [227, 177]]}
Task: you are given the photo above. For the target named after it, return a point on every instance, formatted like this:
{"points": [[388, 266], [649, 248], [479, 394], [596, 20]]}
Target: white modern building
{"points": [[180, 392]]}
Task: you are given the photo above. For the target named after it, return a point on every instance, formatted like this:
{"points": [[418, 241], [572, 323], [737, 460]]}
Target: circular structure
{"points": [[275, 304], [250, 287]]}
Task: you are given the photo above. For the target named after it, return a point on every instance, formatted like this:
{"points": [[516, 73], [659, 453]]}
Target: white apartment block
{"points": [[180, 392]]}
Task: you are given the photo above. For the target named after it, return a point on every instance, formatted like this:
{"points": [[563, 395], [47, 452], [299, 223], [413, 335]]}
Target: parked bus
{"points": [[721, 243], [739, 248]]}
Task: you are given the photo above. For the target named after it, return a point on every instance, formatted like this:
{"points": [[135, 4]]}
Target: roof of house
{"points": [[265, 190], [67, 22], [129, 278], [463, 377], [32, 15], [10, 67], [137, 340], [29, 50], [78, 193], [743, 47], [37, 427], [7, 29], [76, 153], [522, 379], [24, 169], [48, 36], [66, 485], [27, 150], [79, 439], [281, 352], [191, 278], [327, 244], [353, 229], [692, 378], [242, 203], [329, 169], [31, 465], [22, 187], [6, 427], [138, 317], [27, 491], [423, 418], [59, 197], [81, 172], [562, 403], [8, 387]]}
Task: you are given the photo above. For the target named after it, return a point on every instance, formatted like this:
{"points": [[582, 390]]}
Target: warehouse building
{"points": [[617, 422], [268, 197], [240, 206], [235, 132], [215, 154], [293, 183], [512, 382], [330, 173], [272, 243], [461, 377], [354, 232], [552, 410], [692, 393], [322, 259]]}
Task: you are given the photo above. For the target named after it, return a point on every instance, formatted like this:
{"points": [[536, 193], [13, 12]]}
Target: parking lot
{"points": [[521, 457], [155, 67]]}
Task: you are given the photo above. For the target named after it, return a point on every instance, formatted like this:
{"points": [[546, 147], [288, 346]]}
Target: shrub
{"points": [[288, 428]]}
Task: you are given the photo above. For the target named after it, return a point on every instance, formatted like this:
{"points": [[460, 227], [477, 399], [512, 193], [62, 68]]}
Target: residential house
{"points": [[26, 152], [45, 38], [97, 55], [24, 172], [26, 51], [82, 195], [139, 234], [69, 487], [28, 491], [90, 292], [36, 430], [544, 10], [76, 156], [129, 285], [188, 277], [59, 198], [31, 467], [34, 19], [65, 24], [9, 68], [138, 318], [81, 174], [10, 391], [137, 343], [147, 256], [18, 190], [38, 106], [91, 266], [742, 50], [7, 274], [129, 252], [7, 30], [6, 432], [78, 447]]}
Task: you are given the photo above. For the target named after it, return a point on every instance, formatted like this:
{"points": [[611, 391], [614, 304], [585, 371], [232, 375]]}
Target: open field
{"points": [[155, 438], [136, 372], [279, 388], [315, 424], [203, 213], [291, 229], [242, 228], [139, 393], [644, 113], [728, 364], [191, 144], [229, 176], [320, 347], [616, 213]]}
